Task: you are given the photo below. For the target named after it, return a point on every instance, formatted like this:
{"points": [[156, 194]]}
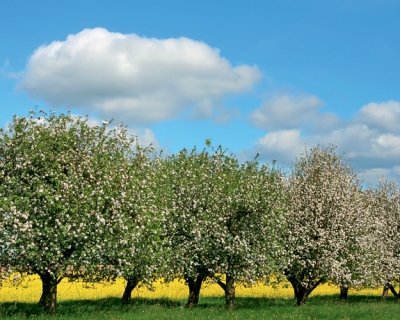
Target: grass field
{"points": [[78, 301]]}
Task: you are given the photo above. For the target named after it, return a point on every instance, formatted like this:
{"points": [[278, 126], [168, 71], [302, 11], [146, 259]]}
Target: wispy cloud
{"points": [[4, 66]]}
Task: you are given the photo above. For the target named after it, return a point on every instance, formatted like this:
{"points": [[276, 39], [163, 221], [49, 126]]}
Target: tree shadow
{"points": [[74, 307], [107, 305], [317, 300]]}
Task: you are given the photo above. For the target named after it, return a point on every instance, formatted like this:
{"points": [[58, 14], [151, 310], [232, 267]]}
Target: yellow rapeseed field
{"points": [[30, 289]]}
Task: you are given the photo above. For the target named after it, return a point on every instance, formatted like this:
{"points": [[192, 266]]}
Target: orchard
{"points": [[89, 203]]}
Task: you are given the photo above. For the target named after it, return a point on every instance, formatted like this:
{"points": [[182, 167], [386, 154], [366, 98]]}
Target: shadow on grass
{"points": [[262, 303], [71, 307], [113, 305]]}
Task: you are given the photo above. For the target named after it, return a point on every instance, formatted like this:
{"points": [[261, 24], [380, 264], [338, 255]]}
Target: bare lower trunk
{"points": [[48, 300], [344, 293], [302, 292], [388, 286], [194, 285], [385, 293], [130, 285], [230, 292], [229, 289]]}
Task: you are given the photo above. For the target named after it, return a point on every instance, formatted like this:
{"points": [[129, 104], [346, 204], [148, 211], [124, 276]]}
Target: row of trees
{"points": [[88, 202]]}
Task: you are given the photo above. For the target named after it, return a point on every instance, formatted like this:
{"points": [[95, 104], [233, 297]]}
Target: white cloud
{"points": [[283, 145], [142, 80], [383, 116], [354, 139], [225, 115], [371, 140], [386, 148], [285, 111]]}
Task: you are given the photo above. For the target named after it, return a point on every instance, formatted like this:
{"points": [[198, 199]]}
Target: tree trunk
{"points": [[301, 292], [385, 292], [344, 293], [388, 286], [48, 300], [230, 291], [130, 285], [194, 289]]}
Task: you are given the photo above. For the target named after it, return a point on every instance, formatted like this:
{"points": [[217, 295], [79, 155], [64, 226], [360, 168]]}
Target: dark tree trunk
{"points": [[388, 286], [344, 293], [48, 300], [194, 289], [230, 292], [130, 285], [302, 292], [229, 289]]}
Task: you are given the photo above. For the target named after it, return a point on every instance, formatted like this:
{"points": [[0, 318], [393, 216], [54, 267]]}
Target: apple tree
{"points": [[325, 215], [385, 208], [59, 199], [223, 220]]}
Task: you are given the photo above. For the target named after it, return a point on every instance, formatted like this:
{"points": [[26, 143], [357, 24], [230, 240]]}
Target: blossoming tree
{"points": [[59, 180], [359, 262], [385, 208], [325, 237], [223, 219], [133, 250], [188, 193]]}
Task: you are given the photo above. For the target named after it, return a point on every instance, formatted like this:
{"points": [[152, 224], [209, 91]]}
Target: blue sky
{"points": [[254, 76]]}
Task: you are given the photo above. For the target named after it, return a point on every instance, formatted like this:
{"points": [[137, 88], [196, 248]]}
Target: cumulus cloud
{"points": [[370, 140], [142, 80], [282, 145], [382, 116], [285, 111]]}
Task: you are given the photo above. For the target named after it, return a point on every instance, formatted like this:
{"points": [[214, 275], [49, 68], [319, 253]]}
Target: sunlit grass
{"points": [[30, 289]]}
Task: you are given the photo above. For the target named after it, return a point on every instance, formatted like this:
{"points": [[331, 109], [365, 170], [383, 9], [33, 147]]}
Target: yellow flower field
{"points": [[30, 290]]}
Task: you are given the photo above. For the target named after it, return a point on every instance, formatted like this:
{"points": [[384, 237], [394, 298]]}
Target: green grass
{"points": [[317, 307]]}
